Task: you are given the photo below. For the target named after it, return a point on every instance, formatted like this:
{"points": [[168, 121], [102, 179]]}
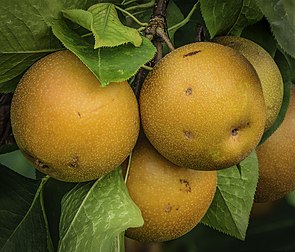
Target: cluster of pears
{"points": [[203, 107]]}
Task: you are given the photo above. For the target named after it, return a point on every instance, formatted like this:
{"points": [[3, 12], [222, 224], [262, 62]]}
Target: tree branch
{"points": [[156, 31]]}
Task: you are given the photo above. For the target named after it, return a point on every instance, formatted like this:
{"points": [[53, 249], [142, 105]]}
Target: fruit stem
{"points": [[131, 16], [186, 20], [128, 168]]}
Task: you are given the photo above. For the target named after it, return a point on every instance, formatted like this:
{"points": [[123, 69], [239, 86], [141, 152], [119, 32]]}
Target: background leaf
{"points": [[231, 206], [21, 210], [261, 34], [281, 16], [54, 190], [95, 213], [223, 17], [249, 14], [121, 62]]}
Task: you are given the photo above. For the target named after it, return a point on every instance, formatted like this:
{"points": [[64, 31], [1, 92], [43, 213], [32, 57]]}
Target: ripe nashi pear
{"points": [[202, 106], [68, 125], [267, 70], [172, 199], [276, 160]]}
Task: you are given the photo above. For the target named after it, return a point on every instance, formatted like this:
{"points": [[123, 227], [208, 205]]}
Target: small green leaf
{"points": [[95, 213], [121, 62], [281, 16], [249, 14], [108, 29], [231, 206], [23, 222]]}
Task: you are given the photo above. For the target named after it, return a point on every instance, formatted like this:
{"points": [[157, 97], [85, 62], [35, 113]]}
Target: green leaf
{"points": [[6, 148], [79, 46], [95, 213], [121, 62], [16, 161], [249, 14], [286, 69], [174, 16], [281, 16], [10, 86], [26, 35], [229, 17], [219, 16], [13, 64], [231, 206], [80, 17], [102, 19], [23, 224], [54, 191]]}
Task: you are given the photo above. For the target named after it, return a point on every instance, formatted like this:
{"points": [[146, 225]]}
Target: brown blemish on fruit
{"points": [[188, 134], [35, 160], [168, 208], [41, 165], [79, 114], [234, 132], [188, 91], [74, 163], [187, 188], [191, 53]]}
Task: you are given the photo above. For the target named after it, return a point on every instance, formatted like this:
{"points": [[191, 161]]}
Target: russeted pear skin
{"points": [[69, 126], [202, 106], [172, 199], [276, 159], [267, 70]]}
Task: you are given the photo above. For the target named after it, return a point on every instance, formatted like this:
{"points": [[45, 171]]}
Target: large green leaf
{"points": [[94, 215], [223, 17], [23, 224], [231, 206], [281, 16], [26, 34], [121, 62]]}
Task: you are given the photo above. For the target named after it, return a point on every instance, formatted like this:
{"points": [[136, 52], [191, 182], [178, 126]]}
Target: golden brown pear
{"points": [[67, 124], [202, 106], [267, 70], [172, 199], [276, 158]]}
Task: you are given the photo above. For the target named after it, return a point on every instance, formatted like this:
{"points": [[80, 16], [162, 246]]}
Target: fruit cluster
{"points": [[203, 107]]}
